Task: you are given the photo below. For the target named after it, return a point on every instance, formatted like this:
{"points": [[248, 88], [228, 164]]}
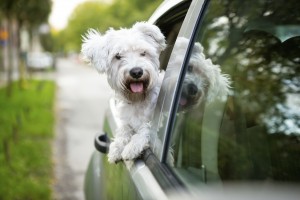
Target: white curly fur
{"points": [[118, 53]]}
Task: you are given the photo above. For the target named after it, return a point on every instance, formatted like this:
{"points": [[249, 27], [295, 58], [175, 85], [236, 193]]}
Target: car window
{"points": [[238, 111], [170, 24]]}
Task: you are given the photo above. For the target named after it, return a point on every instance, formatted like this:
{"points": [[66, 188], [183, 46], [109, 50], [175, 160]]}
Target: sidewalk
{"points": [[82, 99]]}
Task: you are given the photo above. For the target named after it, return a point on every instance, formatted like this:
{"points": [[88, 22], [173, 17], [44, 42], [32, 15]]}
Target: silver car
{"points": [[39, 60], [243, 146]]}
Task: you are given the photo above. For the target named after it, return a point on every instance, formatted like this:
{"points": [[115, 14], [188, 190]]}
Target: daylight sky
{"points": [[61, 10]]}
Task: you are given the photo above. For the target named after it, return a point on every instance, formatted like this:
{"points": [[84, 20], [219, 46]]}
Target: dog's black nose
{"points": [[136, 72], [192, 89]]}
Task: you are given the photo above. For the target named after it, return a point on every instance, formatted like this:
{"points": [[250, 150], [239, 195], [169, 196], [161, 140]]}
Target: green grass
{"points": [[26, 133]]}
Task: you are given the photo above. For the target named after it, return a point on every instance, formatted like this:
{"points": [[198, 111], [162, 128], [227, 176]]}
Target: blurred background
{"points": [[51, 102]]}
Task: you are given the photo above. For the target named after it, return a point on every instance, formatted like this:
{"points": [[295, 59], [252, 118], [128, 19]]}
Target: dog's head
{"points": [[203, 80], [129, 57]]}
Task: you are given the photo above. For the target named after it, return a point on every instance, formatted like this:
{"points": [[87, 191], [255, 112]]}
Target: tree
{"points": [[16, 14], [87, 15], [101, 16], [228, 19], [9, 22]]}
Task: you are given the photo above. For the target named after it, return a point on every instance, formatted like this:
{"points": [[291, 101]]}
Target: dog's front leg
{"points": [[139, 142], [122, 138]]}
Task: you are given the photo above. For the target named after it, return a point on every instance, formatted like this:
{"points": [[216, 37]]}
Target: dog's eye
{"points": [[190, 68], [143, 54], [118, 56]]}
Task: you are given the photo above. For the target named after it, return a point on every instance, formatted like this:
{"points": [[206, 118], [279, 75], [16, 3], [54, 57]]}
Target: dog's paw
{"points": [[115, 151], [135, 147], [130, 152], [114, 159]]}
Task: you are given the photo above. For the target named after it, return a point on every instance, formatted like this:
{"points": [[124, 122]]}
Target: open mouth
{"points": [[137, 86]]}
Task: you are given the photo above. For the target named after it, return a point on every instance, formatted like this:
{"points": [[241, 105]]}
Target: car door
{"points": [[146, 178], [246, 141]]}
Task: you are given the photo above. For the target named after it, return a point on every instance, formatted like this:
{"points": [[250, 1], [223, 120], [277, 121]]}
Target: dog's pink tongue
{"points": [[136, 87]]}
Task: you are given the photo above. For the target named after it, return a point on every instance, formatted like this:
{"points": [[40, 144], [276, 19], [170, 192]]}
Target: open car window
{"points": [[249, 129], [170, 24]]}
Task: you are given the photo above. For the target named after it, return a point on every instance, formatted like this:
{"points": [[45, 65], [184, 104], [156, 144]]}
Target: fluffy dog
{"points": [[130, 58]]}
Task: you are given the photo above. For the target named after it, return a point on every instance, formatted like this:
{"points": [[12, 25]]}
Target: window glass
{"points": [[238, 116], [170, 25]]}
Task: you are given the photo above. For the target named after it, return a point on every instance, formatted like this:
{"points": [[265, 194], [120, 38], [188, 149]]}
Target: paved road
{"points": [[82, 99]]}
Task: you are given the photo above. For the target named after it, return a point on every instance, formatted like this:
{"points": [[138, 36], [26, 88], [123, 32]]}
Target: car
{"points": [[245, 145], [39, 60]]}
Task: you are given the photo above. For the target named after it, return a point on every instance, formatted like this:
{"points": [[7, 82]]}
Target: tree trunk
{"points": [[9, 67], [22, 54], [12, 54]]}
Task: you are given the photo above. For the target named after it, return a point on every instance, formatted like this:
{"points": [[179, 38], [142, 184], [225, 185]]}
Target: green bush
{"points": [[26, 133]]}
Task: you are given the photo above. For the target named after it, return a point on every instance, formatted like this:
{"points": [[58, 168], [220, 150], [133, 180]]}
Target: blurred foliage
{"points": [[101, 16], [17, 15], [30, 12], [258, 138], [47, 42], [26, 132], [251, 35]]}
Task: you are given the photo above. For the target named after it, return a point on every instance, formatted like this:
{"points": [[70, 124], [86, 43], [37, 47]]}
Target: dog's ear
{"points": [[152, 34], [94, 51]]}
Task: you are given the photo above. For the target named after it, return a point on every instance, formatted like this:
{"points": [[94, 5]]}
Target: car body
{"points": [[39, 60], [242, 146]]}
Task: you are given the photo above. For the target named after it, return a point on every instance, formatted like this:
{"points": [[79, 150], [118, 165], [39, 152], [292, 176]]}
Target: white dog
{"points": [[130, 58]]}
